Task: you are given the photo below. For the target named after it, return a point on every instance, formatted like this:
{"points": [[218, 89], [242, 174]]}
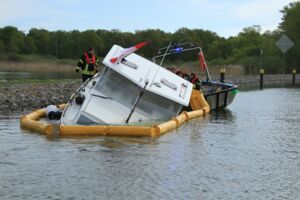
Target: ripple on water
{"points": [[249, 151]]}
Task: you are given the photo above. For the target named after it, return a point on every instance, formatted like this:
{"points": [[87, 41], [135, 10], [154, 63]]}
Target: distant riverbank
{"points": [[252, 81], [35, 63], [6, 66], [24, 96]]}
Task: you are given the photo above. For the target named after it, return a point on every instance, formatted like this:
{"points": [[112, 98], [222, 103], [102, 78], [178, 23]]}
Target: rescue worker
{"points": [[178, 72], [87, 64], [186, 75], [195, 80]]}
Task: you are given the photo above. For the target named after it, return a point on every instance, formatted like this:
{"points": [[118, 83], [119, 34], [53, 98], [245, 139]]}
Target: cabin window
{"points": [[84, 120], [125, 92]]}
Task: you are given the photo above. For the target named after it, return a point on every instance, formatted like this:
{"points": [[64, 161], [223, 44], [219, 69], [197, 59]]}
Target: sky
{"points": [[225, 17]]}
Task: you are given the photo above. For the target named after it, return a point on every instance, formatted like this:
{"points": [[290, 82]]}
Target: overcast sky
{"points": [[225, 17]]}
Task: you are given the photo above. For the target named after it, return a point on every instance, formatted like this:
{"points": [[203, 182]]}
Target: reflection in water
{"points": [[224, 114], [249, 151], [113, 142]]}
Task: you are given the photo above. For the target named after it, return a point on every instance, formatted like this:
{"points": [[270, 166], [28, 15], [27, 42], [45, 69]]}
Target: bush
{"points": [[273, 65], [251, 64], [13, 58]]}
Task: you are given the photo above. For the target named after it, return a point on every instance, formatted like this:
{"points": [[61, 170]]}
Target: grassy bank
{"points": [[35, 63]]}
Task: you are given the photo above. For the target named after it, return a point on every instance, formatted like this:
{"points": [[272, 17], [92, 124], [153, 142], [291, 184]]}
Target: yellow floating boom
{"points": [[198, 103]]}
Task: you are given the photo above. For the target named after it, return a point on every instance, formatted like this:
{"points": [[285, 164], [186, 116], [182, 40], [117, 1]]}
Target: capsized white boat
{"points": [[133, 91]]}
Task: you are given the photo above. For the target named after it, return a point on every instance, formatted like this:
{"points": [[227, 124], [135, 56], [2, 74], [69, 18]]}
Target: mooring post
{"points": [[261, 82], [222, 75], [294, 77]]}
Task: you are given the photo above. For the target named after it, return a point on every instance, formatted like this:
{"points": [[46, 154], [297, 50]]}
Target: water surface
{"points": [[249, 151]]}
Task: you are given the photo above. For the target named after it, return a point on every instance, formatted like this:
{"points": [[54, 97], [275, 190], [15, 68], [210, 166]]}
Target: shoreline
{"points": [[21, 97]]}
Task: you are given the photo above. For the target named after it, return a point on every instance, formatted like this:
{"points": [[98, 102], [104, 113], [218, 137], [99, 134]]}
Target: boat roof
{"points": [[160, 81]]}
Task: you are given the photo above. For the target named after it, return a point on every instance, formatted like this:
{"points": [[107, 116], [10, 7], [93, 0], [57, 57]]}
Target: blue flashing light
{"points": [[178, 49]]}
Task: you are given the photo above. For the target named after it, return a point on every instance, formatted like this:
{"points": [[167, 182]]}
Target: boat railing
{"points": [[172, 49]]}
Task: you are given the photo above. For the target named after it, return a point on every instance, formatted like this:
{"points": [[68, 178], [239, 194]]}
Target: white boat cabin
{"points": [[110, 96]]}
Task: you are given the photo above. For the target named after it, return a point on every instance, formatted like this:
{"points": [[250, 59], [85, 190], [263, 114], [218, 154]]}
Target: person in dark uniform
{"points": [[87, 64]]}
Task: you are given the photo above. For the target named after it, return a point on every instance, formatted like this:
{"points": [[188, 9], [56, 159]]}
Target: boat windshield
{"points": [[125, 92]]}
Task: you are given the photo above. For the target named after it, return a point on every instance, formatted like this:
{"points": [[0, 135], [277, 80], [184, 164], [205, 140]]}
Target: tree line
{"points": [[249, 48]]}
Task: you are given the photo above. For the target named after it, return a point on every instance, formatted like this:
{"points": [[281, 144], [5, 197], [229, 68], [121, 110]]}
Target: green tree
{"points": [[291, 20], [13, 39], [290, 26], [90, 38], [220, 49], [30, 47], [2, 47], [42, 40], [57, 38], [71, 46], [157, 38]]}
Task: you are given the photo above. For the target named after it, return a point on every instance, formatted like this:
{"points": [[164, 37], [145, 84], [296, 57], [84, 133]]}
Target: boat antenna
{"points": [[208, 78], [162, 60], [136, 102]]}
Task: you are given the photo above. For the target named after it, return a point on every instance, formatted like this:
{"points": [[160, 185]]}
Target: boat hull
{"points": [[222, 96]]}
